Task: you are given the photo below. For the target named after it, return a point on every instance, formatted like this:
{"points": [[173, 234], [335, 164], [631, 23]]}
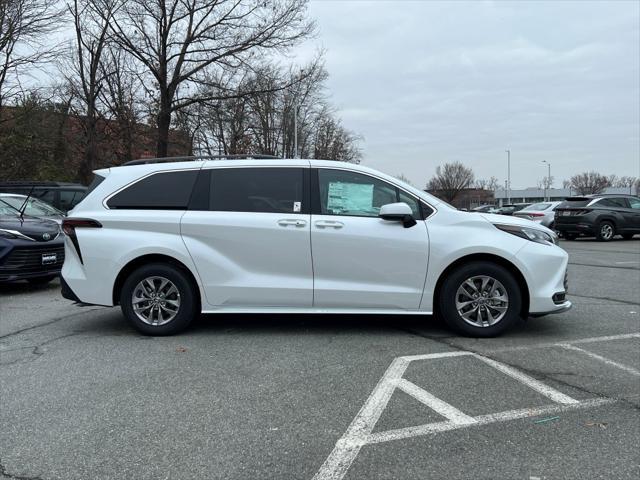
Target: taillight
{"points": [[69, 226], [536, 214]]}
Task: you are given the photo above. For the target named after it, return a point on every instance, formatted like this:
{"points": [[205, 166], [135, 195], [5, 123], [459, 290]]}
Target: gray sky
{"points": [[429, 82]]}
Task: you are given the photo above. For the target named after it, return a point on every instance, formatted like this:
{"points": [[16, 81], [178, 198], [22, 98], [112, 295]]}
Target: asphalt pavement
{"points": [[83, 396]]}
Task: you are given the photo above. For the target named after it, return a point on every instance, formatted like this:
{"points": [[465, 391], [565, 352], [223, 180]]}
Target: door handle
{"points": [[291, 222], [329, 224]]}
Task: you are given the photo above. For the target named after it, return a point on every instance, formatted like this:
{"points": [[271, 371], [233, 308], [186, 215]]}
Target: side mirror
{"points": [[398, 212]]}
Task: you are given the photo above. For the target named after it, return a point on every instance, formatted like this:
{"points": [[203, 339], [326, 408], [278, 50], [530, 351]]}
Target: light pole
{"points": [[547, 184], [295, 129], [508, 176]]}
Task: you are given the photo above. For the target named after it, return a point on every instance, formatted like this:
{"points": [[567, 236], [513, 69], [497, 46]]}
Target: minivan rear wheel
{"points": [[158, 299], [480, 299]]}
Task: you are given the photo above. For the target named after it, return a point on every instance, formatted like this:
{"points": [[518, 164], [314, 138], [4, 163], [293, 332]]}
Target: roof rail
{"points": [[144, 161]]}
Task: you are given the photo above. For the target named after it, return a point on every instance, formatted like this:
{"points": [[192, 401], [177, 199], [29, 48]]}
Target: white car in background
{"points": [[542, 213], [168, 240]]}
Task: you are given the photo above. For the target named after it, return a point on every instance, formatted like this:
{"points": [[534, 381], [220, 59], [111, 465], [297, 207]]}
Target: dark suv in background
{"points": [[600, 216], [61, 195]]}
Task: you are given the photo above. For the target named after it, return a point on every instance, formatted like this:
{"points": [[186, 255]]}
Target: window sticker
{"points": [[350, 197], [297, 206]]}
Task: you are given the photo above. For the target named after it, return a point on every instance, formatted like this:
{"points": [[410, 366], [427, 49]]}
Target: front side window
{"points": [[354, 194], [159, 191], [266, 190]]}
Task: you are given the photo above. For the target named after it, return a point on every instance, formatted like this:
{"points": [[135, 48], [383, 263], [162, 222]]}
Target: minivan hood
{"points": [[38, 229]]}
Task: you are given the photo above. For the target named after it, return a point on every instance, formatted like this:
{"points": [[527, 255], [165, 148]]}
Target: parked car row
{"points": [[600, 216]]}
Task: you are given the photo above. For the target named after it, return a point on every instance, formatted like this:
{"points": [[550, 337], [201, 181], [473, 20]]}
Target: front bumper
{"points": [[565, 306], [22, 259], [545, 270]]}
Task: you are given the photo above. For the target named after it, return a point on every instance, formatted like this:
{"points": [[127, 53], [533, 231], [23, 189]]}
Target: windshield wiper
{"points": [[9, 205], [24, 204]]}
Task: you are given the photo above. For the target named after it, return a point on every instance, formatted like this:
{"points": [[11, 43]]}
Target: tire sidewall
{"points": [[188, 304], [457, 277]]}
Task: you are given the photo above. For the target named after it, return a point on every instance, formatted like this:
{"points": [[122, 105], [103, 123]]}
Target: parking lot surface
{"points": [[82, 395]]}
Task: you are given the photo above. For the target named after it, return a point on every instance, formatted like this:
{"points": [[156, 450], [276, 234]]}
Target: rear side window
{"points": [[612, 203], [160, 191], [267, 190]]}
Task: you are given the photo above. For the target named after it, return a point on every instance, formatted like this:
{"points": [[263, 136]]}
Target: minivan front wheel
{"points": [[158, 299], [480, 299]]}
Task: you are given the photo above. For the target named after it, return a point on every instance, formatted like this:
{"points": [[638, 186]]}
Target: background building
{"points": [[532, 195]]}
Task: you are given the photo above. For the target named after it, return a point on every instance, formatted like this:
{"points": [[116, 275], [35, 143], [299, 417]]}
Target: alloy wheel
{"points": [[606, 231], [156, 300], [482, 301]]}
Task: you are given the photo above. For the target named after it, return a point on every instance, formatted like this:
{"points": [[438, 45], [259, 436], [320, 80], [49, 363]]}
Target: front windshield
{"points": [[538, 206], [35, 207], [7, 210]]}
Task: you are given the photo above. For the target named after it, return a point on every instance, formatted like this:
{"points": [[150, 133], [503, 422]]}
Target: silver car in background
{"points": [[542, 213]]}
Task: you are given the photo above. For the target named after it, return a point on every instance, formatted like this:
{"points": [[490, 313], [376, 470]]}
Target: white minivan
{"points": [[167, 240]]}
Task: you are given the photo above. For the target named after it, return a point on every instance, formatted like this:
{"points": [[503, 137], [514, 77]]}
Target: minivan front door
{"points": [[251, 247], [360, 260]]}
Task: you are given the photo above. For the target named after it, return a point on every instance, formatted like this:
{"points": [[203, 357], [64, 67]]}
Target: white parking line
{"points": [[359, 433], [606, 360], [480, 420], [434, 403], [530, 382]]}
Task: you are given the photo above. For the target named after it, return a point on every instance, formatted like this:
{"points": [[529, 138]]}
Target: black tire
{"points": [[188, 300], [605, 231], [455, 279], [627, 236], [41, 280]]}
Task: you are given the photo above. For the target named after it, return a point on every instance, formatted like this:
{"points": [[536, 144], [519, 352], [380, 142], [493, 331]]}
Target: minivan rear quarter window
{"points": [[159, 191], [267, 190]]}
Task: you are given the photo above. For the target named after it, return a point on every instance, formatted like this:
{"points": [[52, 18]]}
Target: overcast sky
{"points": [[429, 82]]}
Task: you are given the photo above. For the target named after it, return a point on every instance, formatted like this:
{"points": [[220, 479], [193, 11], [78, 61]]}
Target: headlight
{"points": [[533, 234]]}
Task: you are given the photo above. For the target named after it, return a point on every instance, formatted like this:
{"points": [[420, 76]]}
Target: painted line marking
{"points": [[602, 359], [481, 420], [432, 356], [434, 403], [359, 433], [530, 382], [608, 338], [347, 448]]}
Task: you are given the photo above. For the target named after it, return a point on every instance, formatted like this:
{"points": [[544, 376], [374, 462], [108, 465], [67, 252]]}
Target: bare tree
{"points": [[91, 20], [334, 142], [545, 182], [25, 26], [185, 43], [589, 182], [404, 179], [121, 101], [450, 180], [625, 182]]}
